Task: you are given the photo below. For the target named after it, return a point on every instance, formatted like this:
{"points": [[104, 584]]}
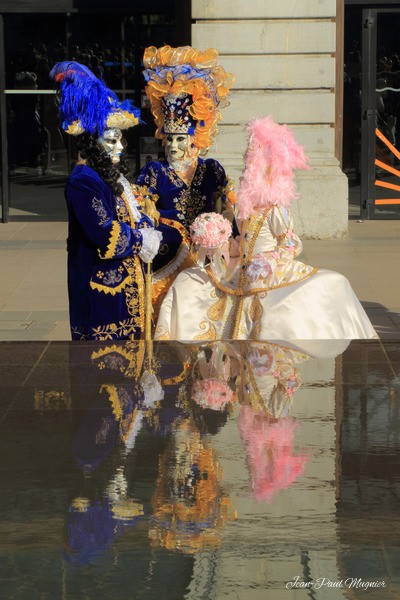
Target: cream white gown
{"points": [[263, 293]]}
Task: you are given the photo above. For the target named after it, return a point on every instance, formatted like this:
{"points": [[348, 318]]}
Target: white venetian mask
{"points": [[180, 151], [111, 142]]}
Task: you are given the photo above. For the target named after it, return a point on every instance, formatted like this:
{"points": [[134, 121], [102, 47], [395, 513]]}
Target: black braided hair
{"points": [[89, 150]]}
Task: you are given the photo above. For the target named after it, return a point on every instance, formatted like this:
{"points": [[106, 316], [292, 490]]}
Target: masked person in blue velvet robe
{"points": [[108, 236], [186, 89]]}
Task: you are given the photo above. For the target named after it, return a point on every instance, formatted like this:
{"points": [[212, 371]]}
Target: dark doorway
{"points": [[371, 115], [36, 155]]}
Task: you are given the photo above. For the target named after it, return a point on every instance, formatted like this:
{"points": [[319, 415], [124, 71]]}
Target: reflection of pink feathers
{"points": [[271, 156], [269, 447]]}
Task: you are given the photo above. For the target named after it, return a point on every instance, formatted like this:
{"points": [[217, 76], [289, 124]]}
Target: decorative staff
{"points": [[148, 202], [148, 316]]}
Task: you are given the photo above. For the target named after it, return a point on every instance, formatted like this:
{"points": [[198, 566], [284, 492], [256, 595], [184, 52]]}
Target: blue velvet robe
{"points": [[179, 204], [105, 277]]}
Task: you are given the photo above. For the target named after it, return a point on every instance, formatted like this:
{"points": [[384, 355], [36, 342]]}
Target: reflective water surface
{"points": [[241, 470]]}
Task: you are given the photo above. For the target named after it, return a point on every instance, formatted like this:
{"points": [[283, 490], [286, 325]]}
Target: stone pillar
{"points": [[283, 57]]}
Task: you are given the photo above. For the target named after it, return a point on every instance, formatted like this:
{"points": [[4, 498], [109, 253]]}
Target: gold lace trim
{"points": [[255, 233], [134, 359], [238, 317], [254, 291], [178, 378], [112, 244], [176, 225], [179, 259], [116, 405], [109, 290]]}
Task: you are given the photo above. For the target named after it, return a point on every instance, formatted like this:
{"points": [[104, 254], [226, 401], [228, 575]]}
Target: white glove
{"points": [[151, 239]]}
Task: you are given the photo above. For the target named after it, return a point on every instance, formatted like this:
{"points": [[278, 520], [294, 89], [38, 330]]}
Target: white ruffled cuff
{"points": [[152, 389], [151, 239]]}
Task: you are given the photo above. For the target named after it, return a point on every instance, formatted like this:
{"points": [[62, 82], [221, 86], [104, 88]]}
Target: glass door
{"points": [[380, 109], [36, 155]]}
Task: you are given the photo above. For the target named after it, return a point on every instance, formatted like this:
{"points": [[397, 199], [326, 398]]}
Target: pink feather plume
{"points": [[272, 155]]}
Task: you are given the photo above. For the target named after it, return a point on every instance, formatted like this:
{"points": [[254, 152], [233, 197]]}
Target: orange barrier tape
{"points": [[380, 135], [383, 165], [385, 184], [387, 201]]}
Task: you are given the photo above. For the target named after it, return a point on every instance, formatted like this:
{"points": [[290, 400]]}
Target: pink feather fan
{"points": [[272, 155]]}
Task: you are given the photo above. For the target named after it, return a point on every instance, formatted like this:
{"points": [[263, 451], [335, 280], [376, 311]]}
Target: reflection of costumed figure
{"points": [[269, 376], [214, 374], [265, 377], [268, 382], [186, 89], [125, 402], [108, 233], [189, 506], [273, 464], [264, 292]]}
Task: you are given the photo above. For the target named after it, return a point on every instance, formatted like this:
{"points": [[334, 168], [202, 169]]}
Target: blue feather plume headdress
{"points": [[87, 104]]}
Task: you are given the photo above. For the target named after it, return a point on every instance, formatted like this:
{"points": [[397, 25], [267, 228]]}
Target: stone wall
{"points": [[283, 56]]}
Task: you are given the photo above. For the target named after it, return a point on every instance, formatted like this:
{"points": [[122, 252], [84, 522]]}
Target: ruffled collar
{"points": [[130, 197]]}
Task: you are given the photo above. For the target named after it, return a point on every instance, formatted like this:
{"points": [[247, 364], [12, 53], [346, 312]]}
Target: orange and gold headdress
{"points": [[186, 89]]}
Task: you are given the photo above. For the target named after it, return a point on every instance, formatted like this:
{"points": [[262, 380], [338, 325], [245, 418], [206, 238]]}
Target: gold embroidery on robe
{"points": [[98, 206], [107, 289], [135, 295], [210, 333], [147, 202], [217, 310], [113, 330], [256, 313], [162, 333]]}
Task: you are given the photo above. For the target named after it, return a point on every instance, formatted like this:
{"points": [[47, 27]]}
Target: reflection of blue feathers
{"points": [[91, 531], [85, 98], [96, 437]]}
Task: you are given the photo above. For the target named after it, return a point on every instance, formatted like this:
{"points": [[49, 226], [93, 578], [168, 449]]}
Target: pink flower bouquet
{"points": [[210, 230], [212, 393]]}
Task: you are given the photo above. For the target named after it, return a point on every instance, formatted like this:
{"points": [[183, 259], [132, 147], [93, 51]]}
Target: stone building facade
{"points": [[285, 57]]}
